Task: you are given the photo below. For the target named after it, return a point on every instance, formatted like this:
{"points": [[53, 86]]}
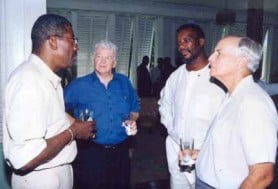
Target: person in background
{"points": [[103, 163], [144, 82], [37, 133], [188, 102], [167, 70], [157, 77], [240, 148], [156, 71]]}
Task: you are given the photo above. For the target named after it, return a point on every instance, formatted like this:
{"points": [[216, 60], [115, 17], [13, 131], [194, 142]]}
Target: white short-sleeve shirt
{"points": [[34, 111], [244, 133]]}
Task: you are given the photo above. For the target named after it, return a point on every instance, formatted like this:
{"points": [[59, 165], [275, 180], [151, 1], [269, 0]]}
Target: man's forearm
{"points": [[260, 176], [53, 147]]}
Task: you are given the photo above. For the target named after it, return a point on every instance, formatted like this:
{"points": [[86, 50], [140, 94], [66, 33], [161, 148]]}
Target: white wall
{"points": [[17, 18]]}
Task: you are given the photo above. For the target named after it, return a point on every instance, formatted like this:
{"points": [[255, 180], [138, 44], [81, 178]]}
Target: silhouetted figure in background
{"points": [[167, 69], [144, 82], [157, 77]]}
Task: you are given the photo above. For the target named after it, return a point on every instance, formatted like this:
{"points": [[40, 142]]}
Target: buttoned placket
{"points": [[191, 78]]}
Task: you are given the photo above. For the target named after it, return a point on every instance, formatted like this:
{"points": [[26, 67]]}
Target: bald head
{"points": [[234, 58]]}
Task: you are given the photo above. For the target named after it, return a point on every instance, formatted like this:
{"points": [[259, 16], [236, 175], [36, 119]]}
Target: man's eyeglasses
{"points": [[74, 39]]}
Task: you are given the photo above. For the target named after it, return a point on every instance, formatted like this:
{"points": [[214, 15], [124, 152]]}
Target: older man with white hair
{"points": [[240, 148]]}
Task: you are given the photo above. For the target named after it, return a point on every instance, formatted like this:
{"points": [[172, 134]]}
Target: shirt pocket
{"points": [[120, 101]]}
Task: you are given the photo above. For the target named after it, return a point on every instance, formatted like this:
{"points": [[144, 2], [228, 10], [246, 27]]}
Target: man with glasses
{"points": [[37, 133]]}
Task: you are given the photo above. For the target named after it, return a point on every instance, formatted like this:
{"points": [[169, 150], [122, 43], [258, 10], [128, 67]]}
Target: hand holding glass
{"points": [[126, 123], [186, 162], [87, 115]]}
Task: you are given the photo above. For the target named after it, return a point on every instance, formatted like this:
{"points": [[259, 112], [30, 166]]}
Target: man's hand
{"points": [[132, 127], [192, 153], [83, 129]]}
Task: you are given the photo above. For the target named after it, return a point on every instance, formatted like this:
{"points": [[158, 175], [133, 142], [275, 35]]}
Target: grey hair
{"points": [[105, 44], [252, 51]]}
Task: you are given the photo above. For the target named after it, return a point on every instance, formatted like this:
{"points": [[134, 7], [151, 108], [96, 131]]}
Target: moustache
{"points": [[183, 50]]}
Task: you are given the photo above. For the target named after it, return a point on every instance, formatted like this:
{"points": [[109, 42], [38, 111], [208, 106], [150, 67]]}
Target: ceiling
{"points": [[270, 6]]}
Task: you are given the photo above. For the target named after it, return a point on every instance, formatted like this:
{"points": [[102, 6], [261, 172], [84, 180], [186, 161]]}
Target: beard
{"points": [[194, 55]]}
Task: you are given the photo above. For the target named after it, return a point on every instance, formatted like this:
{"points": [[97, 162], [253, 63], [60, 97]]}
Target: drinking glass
{"points": [[86, 114], [126, 125], [186, 163]]}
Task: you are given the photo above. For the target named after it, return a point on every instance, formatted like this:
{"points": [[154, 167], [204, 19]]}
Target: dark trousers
{"points": [[97, 167]]}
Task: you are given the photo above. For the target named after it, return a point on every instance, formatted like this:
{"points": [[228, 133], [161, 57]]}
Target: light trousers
{"points": [[178, 179], [60, 177]]}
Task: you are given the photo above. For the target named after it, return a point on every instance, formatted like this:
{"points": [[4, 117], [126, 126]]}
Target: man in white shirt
{"points": [[37, 133], [188, 102], [240, 148]]}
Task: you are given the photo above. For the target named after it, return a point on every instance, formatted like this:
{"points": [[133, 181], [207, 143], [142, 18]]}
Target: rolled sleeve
{"points": [[26, 124], [20, 154]]}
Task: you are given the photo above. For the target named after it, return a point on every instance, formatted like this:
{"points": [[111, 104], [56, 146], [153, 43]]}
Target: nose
{"points": [[182, 44], [76, 47], [210, 59]]}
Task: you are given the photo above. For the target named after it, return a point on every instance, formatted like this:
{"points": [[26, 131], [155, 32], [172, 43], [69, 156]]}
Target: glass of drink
{"points": [[88, 115], [186, 163], [126, 124]]}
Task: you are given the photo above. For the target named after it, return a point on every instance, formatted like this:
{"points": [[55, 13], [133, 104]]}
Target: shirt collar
{"points": [[243, 84], [45, 70], [203, 71], [95, 77]]}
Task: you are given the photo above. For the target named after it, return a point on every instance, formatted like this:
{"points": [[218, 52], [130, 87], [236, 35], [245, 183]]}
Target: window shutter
{"points": [[238, 29], [62, 12], [90, 30], [144, 35], [123, 40]]}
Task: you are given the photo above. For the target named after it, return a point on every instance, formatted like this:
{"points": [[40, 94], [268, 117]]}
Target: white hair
{"points": [[252, 51], [105, 44]]}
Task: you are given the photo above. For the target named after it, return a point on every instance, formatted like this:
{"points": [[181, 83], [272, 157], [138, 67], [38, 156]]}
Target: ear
{"points": [[202, 42], [114, 64], [241, 62], [52, 42]]}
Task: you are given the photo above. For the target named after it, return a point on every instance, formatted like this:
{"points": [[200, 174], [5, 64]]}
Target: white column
{"points": [[16, 19], [159, 42]]}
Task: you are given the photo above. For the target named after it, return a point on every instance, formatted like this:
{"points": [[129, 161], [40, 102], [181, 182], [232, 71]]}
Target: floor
{"points": [[148, 162]]}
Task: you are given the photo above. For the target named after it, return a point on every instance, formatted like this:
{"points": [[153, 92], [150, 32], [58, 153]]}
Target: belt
{"points": [[108, 146]]}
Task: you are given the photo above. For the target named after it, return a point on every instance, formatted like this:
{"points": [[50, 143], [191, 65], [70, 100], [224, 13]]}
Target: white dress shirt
{"points": [[188, 104], [243, 133], [34, 111]]}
